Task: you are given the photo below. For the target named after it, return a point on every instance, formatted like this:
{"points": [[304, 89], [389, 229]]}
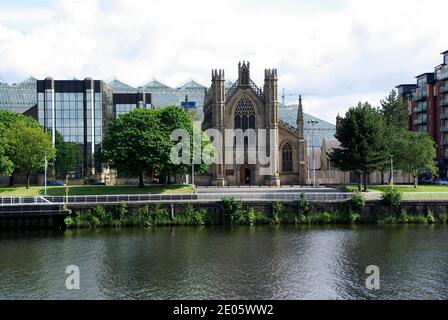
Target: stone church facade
{"points": [[245, 106]]}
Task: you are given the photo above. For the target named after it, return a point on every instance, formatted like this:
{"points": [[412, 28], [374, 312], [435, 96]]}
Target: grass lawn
{"points": [[402, 188], [421, 192], [95, 190]]}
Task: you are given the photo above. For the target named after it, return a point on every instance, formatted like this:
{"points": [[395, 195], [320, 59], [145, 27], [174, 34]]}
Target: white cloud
{"points": [[340, 51]]}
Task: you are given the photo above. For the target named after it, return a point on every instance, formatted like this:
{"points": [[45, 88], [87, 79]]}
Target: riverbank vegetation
{"points": [[236, 213]]}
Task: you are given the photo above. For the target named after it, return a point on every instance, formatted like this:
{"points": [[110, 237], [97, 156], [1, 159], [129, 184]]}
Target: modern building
{"points": [[79, 110], [427, 103]]}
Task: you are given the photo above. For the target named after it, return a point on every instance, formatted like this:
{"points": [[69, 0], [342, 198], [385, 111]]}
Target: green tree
{"points": [[394, 111], [69, 156], [13, 121], [134, 143], [395, 115], [415, 153], [6, 165], [363, 142], [174, 118], [28, 147]]}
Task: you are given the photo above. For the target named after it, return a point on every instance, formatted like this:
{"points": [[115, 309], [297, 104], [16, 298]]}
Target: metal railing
{"points": [[201, 197]]}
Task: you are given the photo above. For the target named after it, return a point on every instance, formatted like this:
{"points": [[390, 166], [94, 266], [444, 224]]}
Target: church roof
{"points": [[322, 129]]}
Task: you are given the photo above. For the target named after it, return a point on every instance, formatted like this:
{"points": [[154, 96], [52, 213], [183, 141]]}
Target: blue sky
{"points": [[337, 51]]}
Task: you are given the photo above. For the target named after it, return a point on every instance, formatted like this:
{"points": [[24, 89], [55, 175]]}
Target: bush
{"points": [[251, 217], [69, 221], [211, 218], [277, 210], [357, 201], [304, 206], [235, 210], [389, 220], [354, 217], [418, 219], [404, 217], [160, 216], [122, 211], [103, 217], [442, 218], [392, 197], [430, 218]]}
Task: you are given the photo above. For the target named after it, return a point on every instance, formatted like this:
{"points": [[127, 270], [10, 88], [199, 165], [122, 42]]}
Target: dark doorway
{"points": [[245, 175]]}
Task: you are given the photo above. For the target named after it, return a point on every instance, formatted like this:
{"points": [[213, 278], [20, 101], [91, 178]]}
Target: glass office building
{"points": [[78, 110]]}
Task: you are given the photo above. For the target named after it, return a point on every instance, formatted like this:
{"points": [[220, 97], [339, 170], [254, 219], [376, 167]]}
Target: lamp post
{"points": [[392, 170], [312, 123], [45, 175]]}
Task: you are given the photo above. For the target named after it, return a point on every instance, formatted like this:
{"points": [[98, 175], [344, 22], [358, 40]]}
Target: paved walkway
{"points": [[266, 189]]}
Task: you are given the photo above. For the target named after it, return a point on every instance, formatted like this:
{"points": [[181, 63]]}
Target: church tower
{"points": [[271, 107], [218, 106]]}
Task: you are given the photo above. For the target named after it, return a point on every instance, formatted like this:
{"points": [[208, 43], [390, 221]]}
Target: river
{"points": [[262, 262]]}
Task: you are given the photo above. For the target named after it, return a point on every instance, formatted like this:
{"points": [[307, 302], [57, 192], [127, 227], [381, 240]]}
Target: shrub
{"points": [[69, 221], [251, 216], [122, 211], [357, 201], [442, 218], [104, 218], [389, 220], [211, 218], [304, 206], [235, 210], [418, 219], [290, 217], [354, 217], [392, 197], [160, 216], [277, 210], [430, 218], [404, 217]]}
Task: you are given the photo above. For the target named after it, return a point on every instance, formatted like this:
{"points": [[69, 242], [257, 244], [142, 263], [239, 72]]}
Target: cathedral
{"points": [[245, 107]]}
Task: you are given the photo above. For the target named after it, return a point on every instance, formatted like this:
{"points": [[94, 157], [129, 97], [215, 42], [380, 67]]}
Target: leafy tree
{"points": [[134, 143], [9, 121], [6, 165], [28, 147], [415, 153], [69, 156], [174, 118], [395, 116], [394, 111], [363, 142]]}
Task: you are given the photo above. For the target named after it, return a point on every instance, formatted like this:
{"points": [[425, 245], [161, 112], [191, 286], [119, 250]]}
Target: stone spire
{"points": [[300, 117]]}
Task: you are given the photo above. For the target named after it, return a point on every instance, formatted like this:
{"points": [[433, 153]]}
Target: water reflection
{"points": [[263, 262]]}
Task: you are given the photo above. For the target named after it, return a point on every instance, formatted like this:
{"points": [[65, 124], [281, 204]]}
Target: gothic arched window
{"points": [[244, 115], [287, 158]]}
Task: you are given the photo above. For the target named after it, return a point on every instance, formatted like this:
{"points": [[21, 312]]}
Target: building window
{"points": [[244, 115], [287, 158]]}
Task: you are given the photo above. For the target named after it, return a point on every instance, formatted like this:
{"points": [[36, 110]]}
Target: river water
{"points": [[262, 262]]}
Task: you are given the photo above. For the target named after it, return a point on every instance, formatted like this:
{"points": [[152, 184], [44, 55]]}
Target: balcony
{"points": [[444, 115], [420, 94], [444, 88], [420, 107], [443, 101]]}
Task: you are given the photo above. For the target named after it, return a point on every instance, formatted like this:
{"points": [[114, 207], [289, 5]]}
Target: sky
{"points": [[333, 52]]}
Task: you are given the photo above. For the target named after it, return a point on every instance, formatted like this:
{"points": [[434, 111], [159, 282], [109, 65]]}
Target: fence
{"points": [[202, 197]]}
